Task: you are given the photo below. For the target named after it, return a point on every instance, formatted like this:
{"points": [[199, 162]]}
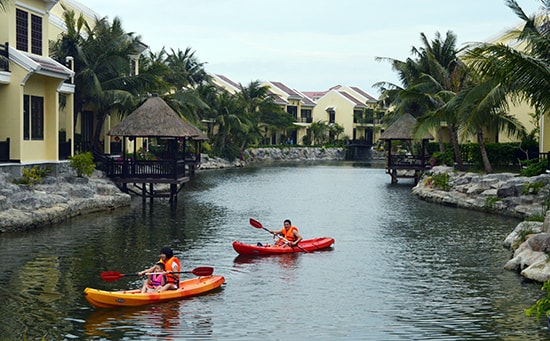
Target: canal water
{"points": [[400, 268]]}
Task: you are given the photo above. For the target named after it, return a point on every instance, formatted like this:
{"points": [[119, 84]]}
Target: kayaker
{"points": [[172, 266], [155, 280], [290, 234]]}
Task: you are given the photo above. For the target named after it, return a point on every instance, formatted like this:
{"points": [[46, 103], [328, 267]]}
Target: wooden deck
{"points": [[406, 166], [143, 175]]}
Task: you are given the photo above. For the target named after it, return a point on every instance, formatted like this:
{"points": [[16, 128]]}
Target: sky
{"points": [[309, 45]]}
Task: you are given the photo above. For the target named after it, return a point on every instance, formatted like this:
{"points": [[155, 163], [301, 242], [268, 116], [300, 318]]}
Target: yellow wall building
{"points": [[34, 119]]}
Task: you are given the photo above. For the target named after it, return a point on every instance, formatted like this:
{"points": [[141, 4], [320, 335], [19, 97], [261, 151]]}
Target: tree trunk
{"points": [[456, 147], [440, 140], [96, 143], [483, 150]]}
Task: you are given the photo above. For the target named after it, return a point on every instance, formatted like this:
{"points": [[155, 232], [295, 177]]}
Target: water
{"points": [[400, 269]]}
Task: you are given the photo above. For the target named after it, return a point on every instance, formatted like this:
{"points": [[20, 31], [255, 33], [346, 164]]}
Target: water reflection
{"points": [[400, 268], [164, 321]]}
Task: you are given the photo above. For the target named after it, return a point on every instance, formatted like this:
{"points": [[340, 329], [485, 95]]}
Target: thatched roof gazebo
{"points": [[154, 119], [408, 165]]}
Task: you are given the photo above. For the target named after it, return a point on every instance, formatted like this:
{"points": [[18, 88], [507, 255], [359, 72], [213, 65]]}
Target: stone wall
{"points": [[256, 155]]}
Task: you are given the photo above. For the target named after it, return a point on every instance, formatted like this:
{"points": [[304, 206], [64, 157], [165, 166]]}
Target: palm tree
{"points": [[185, 69], [264, 115], [105, 82], [483, 107], [318, 131], [525, 71], [429, 81]]}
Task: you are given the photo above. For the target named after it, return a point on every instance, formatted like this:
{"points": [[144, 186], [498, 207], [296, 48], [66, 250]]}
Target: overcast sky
{"points": [[309, 45]]}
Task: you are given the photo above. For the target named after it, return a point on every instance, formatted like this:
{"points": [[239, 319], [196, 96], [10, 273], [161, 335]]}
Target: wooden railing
{"points": [[144, 169], [406, 161]]}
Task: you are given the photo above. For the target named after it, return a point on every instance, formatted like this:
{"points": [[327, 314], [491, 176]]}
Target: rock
{"points": [[496, 193], [514, 239], [55, 199]]}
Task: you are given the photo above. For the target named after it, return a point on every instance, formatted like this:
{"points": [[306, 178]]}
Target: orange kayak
{"points": [[190, 287], [306, 245]]}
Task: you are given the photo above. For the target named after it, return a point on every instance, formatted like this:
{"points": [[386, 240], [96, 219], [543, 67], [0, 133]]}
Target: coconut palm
{"points": [[185, 69], [429, 81], [524, 68], [105, 82], [483, 107]]}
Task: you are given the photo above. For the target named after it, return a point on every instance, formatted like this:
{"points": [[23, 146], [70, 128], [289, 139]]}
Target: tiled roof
{"points": [[363, 93], [357, 102], [228, 81], [306, 101], [287, 90], [278, 99], [48, 64]]}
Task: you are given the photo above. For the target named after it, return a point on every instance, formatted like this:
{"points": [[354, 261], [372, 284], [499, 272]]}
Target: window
{"points": [[331, 116], [305, 114], [293, 110], [36, 34], [33, 117], [22, 32]]}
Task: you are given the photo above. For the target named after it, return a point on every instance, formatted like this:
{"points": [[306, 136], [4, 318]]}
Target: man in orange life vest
{"points": [[289, 232], [172, 266]]}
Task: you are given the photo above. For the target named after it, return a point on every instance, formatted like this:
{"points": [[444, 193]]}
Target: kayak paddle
{"points": [[259, 225], [114, 276]]}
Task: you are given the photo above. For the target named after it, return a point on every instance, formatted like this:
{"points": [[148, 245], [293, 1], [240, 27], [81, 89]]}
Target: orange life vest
{"points": [[170, 277], [288, 234]]}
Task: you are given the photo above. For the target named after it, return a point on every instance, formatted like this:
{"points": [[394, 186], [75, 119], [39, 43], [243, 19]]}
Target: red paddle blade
{"points": [[111, 275], [203, 271], [256, 223]]}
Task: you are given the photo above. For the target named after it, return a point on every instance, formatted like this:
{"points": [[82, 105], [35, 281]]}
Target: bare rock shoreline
{"points": [[56, 199], [506, 194]]}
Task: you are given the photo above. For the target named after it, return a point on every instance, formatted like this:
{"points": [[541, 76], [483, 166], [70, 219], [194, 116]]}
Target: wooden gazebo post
{"points": [[154, 118]]}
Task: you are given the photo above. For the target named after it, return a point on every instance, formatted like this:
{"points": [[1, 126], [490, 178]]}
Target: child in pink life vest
{"points": [[155, 280]]}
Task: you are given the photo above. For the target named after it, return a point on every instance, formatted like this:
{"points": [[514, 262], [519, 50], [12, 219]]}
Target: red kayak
{"points": [[306, 245]]}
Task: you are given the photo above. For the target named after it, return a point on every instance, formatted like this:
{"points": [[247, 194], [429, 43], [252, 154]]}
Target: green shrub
{"points": [[440, 181], [83, 164], [33, 175], [542, 306], [490, 202], [532, 188], [535, 217], [533, 167]]}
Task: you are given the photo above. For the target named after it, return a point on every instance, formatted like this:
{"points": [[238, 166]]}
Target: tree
{"points": [[524, 71], [484, 107], [104, 81], [429, 81]]}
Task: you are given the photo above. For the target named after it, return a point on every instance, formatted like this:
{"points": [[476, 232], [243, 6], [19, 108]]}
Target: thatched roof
{"points": [[154, 118], [200, 135], [403, 129]]}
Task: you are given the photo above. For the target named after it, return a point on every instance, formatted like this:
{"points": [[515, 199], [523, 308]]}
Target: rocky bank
{"points": [[65, 195], [257, 155], [54, 200], [507, 194]]}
